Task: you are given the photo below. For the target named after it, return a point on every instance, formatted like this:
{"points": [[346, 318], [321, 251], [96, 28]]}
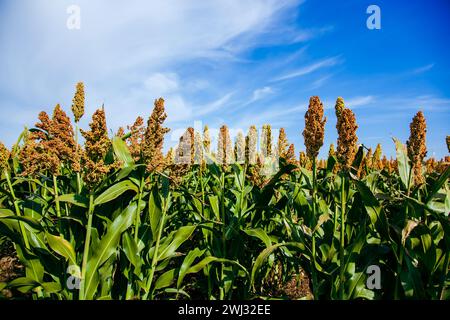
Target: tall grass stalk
{"points": [[87, 243]]}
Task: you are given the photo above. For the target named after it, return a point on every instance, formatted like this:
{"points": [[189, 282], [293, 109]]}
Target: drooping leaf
{"points": [[62, 247], [115, 191], [187, 262], [154, 211], [122, 152], [404, 169], [106, 247], [260, 234], [75, 199], [180, 236]]}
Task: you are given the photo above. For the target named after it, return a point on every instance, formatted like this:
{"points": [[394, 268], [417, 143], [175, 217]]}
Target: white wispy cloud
{"points": [[273, 114], [213, 106], [308, 34], [320, 82], [259, 94], [423, 69], [359, 101], [309, 69], [129, 58], [162, 83]]}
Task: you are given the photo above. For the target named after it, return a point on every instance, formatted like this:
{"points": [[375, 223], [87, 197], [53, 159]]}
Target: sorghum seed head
{"points": [[447, 140], [376, 160], [137, 138], [314, 127], [282, 144], [290, 154], [154, 137], [416, 145], [96, 146], [4, 157], [339, 107], [266, 140], [347, 138], [198, 148], [206, 140], [240, 147], [78, 102], [185, 151], [250, 145], [224, 148], [97, 142]]}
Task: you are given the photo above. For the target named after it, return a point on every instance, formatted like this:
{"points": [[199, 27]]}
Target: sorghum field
{"points": [[115, 218]]}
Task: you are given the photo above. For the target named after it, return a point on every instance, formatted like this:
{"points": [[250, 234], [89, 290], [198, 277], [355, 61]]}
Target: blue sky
{"points": [[233, 62]]}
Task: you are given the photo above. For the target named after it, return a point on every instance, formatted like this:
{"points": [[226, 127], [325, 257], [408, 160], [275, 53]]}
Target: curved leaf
{"points": [[106, 247], [404, 169], [75, 199], [115, 191], [267, 252], [260, 234], [122, 152], [62, 247]]}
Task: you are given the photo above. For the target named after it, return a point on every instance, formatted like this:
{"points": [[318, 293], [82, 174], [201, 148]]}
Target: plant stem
{"points": [[442, 286], [55, 190], [138, 213], [16, 207], [155, 254], [313, 269], [86, 246], [342, 239], [76, 150], [400, 260], [222, 211], [136, 235]]}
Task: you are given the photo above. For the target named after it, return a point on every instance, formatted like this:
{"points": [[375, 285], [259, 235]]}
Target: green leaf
{"points": [[165, 280], [374, 209], [122, 152], [214, 201], [199, 266], [260, 234], [8, 214], [188, 260], [75, 199], [62, 247], [267, 252], [437, 185], [130, 248], [115, 191], [180, 236], [106, 247], [154, 211], [404, 169], [23, 284], [51, 287]]}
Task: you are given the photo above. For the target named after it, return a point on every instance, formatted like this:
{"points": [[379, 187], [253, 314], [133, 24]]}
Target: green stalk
{"points": [[336, 213], [155, 255], [202, 187], [136, 237], [313, 269], [222, 211], [342, 240], [400, 260], [76, 150], [138, 213], [87, 242], [442, 286], [16, 207], [55, 190]]}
